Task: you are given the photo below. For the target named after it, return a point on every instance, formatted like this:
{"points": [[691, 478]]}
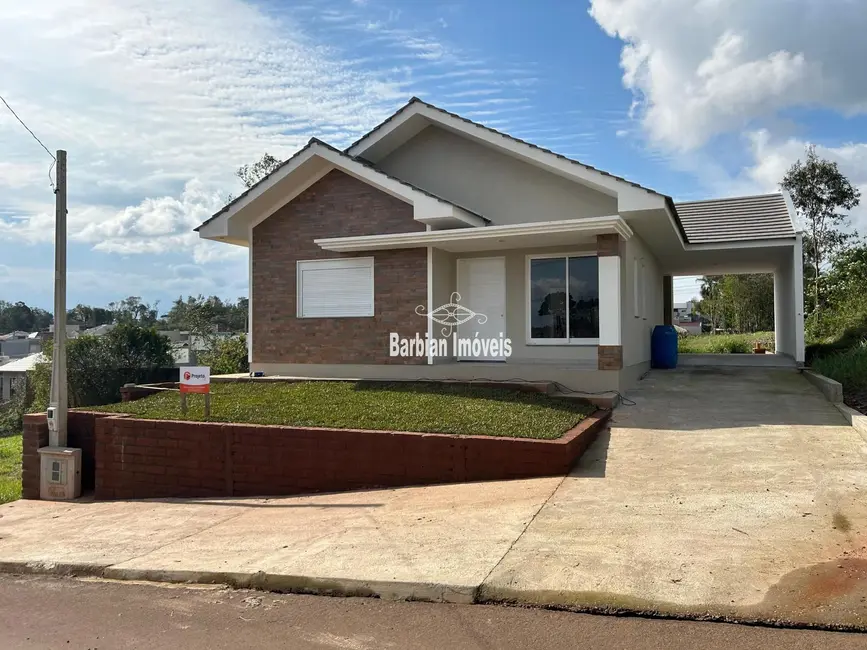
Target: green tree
{"points": [[252, 174], [820, 193], [133, 310], [227, 356], [17, 316], [88, 316], [98, 366]]}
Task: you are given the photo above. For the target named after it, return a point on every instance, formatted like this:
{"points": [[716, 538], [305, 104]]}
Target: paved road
{"points": [[48, 612]]}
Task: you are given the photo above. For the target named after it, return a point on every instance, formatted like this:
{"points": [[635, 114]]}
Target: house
{"points": [[434, 228], [14, 370], [683, 311], [19, 344]]}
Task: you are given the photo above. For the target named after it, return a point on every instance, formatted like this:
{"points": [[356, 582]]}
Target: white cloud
{"points": [[772, 158], [704, 67], [157, 102]]}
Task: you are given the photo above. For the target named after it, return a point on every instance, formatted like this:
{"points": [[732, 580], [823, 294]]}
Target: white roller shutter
{"points": [[335, 288]]}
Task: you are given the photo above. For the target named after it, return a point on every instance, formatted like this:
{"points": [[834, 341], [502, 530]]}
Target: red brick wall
{"points": [[148, 458], [35, 436], [336, 206], [80, 434]]}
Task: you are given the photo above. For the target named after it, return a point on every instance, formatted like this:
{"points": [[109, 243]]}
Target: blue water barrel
{"points": [[663, 347]]}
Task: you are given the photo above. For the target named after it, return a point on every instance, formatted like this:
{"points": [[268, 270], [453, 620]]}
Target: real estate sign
{"points": [[196, 379]]}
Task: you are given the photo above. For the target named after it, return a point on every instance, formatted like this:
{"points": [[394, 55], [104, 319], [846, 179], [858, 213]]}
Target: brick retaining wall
{"points": [[81, 433], [157, 458], [125, 457]]}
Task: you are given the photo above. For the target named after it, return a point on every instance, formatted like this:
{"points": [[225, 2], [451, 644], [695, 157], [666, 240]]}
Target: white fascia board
{"points": [[425, 206], [733, 245], [793, 213], [598, 225]]}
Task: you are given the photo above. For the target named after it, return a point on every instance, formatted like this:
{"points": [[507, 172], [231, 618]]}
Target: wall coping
{"points": [[595, 419]]}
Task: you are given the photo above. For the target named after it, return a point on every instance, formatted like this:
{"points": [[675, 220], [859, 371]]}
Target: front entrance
{"points": [[482, 285]]}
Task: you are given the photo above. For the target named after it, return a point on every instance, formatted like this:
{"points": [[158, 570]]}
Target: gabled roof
{"points": [[742, 218], [358, 147], [285, 167]]}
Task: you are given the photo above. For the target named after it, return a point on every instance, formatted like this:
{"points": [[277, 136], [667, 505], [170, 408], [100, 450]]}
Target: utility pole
{"points": [[58, 401]]}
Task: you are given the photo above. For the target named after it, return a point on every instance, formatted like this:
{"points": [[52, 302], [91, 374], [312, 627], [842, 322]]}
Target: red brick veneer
{"points": [[338, 205]]}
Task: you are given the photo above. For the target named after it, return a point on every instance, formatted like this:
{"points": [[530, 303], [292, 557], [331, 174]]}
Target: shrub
{"points": [[12, 411], [97, 367], [227, 356], [849, 367]]}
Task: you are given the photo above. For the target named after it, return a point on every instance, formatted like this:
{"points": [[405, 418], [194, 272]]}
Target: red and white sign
{"points": [[196, 379]]}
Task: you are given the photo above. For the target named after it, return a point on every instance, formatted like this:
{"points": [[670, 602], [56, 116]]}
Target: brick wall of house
{"points": [[147, 458], [338, 205]]}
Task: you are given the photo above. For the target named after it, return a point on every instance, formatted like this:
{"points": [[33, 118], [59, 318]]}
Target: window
{"points": [[335, 288], [554, 318], [57, 472]]}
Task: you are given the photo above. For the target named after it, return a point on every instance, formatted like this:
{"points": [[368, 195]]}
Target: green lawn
{"points": [[399, 407], [10, 468], [724, 343]]}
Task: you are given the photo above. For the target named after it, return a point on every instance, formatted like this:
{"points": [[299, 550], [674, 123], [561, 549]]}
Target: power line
{"points": [[28, 129]]}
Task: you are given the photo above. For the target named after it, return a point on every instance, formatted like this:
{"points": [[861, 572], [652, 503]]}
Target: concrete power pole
{"points": [[58, 401]]}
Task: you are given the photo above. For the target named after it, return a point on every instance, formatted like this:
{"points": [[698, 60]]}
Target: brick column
{"points": [[35, 436], [610, 349]]}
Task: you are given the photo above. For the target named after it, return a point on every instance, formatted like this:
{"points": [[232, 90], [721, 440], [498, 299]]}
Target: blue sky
{"points": [[158, 102]]}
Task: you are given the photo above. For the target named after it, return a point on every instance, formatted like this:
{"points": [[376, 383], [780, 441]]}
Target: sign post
{"points": [[196, 379]]}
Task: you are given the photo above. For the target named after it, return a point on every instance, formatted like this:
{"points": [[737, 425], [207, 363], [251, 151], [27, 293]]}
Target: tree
{"points": [[98, 366], [820, 191], [88, 316], [16, 316], [227, 356], [252, 174], [743, 303], [133, 310]]}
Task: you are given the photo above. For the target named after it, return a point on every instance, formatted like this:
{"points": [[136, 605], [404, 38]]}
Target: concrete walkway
{"points": [[724, 493]]}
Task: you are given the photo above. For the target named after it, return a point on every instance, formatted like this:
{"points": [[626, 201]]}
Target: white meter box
{"points": [[59, 473]]}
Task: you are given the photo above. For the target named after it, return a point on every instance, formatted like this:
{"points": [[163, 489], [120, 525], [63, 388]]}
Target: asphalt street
{"points": [[50, 612]]}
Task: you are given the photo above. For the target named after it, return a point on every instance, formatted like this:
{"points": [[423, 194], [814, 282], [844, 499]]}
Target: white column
{"points": [[781, 319], [609, 300]]}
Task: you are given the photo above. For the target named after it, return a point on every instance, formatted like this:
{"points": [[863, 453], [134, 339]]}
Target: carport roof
{"points": [[743, 218]]}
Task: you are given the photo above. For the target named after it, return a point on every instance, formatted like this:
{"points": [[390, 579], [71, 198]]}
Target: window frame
{"points": [[528, 294], [299, 294]]}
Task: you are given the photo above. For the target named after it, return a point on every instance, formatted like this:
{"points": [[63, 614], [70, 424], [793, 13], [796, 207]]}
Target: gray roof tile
{"points": [[742, 218]]}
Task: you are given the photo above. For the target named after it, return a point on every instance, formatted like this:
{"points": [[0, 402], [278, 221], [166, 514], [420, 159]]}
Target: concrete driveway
{"points": [[728, 492]]}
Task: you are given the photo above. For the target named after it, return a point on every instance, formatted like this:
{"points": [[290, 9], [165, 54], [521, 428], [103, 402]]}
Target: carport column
{"points": [[610, 348], [667, 300], [798, 264]]}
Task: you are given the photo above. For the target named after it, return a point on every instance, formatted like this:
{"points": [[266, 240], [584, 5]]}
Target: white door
{"points": [[482, 286]]}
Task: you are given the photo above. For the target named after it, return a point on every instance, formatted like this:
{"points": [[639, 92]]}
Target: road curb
{"points": [[259, 580], [54, 568]]}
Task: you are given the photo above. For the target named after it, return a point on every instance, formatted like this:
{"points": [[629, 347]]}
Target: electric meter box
{"points": [[59, 473]]}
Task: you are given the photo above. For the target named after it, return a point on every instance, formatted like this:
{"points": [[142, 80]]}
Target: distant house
{"points": [[14, 370], [99, 330], [19, 344]]}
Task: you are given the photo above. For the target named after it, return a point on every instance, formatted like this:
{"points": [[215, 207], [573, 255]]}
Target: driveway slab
{"points": [[722, 492]]}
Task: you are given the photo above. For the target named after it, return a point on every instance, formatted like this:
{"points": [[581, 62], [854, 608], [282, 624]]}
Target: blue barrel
{"points": [[663, 347]]}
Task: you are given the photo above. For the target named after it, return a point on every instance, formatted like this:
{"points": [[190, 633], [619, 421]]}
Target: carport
{"points": [[750, 234]]}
